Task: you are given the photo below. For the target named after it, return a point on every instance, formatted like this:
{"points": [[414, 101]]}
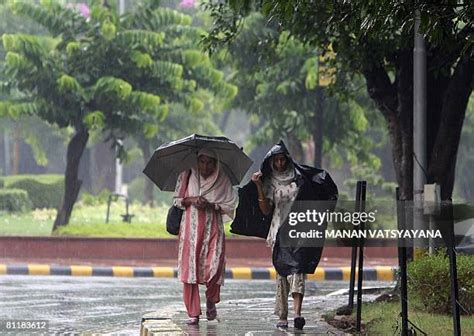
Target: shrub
{"points": [[93, 200], [44, 191], [2, 183], [429, 283], [14, 200]]}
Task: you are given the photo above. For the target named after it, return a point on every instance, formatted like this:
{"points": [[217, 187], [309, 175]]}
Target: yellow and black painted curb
{"points": [[378, 273]]}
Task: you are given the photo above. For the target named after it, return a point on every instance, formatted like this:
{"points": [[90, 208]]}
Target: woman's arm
{"points": [[178, 199], [263, 202]]}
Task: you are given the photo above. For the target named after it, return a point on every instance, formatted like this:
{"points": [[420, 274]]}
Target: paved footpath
{"points": [[250, 312], [244, 316], [251, 318], [116, 306]]}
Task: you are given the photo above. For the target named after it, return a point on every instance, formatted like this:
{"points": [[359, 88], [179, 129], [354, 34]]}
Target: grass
{"points": [[382, 318], [26, 224], [89, 221]]}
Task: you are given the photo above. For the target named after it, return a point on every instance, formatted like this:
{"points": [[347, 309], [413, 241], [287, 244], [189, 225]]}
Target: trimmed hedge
{"points": [[429, 282], [14, 200], [44, 191]]}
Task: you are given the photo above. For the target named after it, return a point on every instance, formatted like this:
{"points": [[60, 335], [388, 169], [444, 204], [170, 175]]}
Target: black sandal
{"points": [[282, 324], [299, 322]]}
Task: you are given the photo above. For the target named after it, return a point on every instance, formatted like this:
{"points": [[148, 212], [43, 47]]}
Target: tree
{"points": [[21, 130], [279, 79], [192, 98], [374, 39], [105, 72]]}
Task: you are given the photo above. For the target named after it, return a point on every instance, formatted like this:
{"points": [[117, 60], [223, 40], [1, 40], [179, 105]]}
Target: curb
{"points": [[378, 273]]}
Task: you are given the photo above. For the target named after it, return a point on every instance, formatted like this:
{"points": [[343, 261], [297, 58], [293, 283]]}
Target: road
{"points": [[110, 305]]}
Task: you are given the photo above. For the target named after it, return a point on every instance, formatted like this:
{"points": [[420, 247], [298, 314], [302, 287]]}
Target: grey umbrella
{"points": [[171, 158]]}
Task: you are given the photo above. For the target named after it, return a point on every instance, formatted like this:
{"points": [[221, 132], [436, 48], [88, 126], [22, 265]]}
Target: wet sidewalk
{"points": [[244, 317], [251, 313], [115, 306]]}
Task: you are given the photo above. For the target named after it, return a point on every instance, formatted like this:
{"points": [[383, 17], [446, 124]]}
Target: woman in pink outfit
{"points": [[206, 195]]}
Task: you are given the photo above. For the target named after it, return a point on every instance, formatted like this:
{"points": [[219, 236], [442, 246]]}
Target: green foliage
{"points": [[69, 84], [44, 191], [108, 78], [94, 200], [94, 120], [269, 70], [42, 178], [429, 282], [278, 76], [122, 75], [14, 200], [375, 40], [53, 17], [361, 32]]}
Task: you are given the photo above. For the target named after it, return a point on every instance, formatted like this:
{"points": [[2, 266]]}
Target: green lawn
{"points": [[382, 318], [25, 224], [89, 221]]}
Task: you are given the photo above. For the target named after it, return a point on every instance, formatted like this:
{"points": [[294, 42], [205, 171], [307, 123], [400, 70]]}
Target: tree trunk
{"points": [[75, 149], [404, 81], [295, 148], [447, 102], [384, 93], [148, 187], [395, 102], [318, 128], [443, 154], [85, 171]]}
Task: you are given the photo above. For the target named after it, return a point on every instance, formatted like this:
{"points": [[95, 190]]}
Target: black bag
{"points": [[249, 220], [173, 219]]}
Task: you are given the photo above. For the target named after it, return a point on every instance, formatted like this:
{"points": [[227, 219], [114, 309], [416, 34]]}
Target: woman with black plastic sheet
{"points": [[265, 202]]}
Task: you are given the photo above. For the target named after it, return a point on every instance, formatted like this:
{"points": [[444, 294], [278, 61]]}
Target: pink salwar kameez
{"points": [[201, 257]]}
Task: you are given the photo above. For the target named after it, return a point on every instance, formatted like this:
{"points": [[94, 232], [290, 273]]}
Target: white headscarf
{"points": [[282, 190], [285, 177], [216, 188]]}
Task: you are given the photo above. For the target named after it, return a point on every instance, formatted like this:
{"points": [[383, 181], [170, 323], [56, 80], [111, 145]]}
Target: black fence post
{"points": [[451, 246], [402, 264], [350, 304], [361, 258]]}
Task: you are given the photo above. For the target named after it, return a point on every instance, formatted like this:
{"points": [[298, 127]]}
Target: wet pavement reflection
{"points": [[115, 306]]}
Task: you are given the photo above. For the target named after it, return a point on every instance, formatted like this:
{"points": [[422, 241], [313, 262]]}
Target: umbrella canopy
{"points": [[171, 158]]}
